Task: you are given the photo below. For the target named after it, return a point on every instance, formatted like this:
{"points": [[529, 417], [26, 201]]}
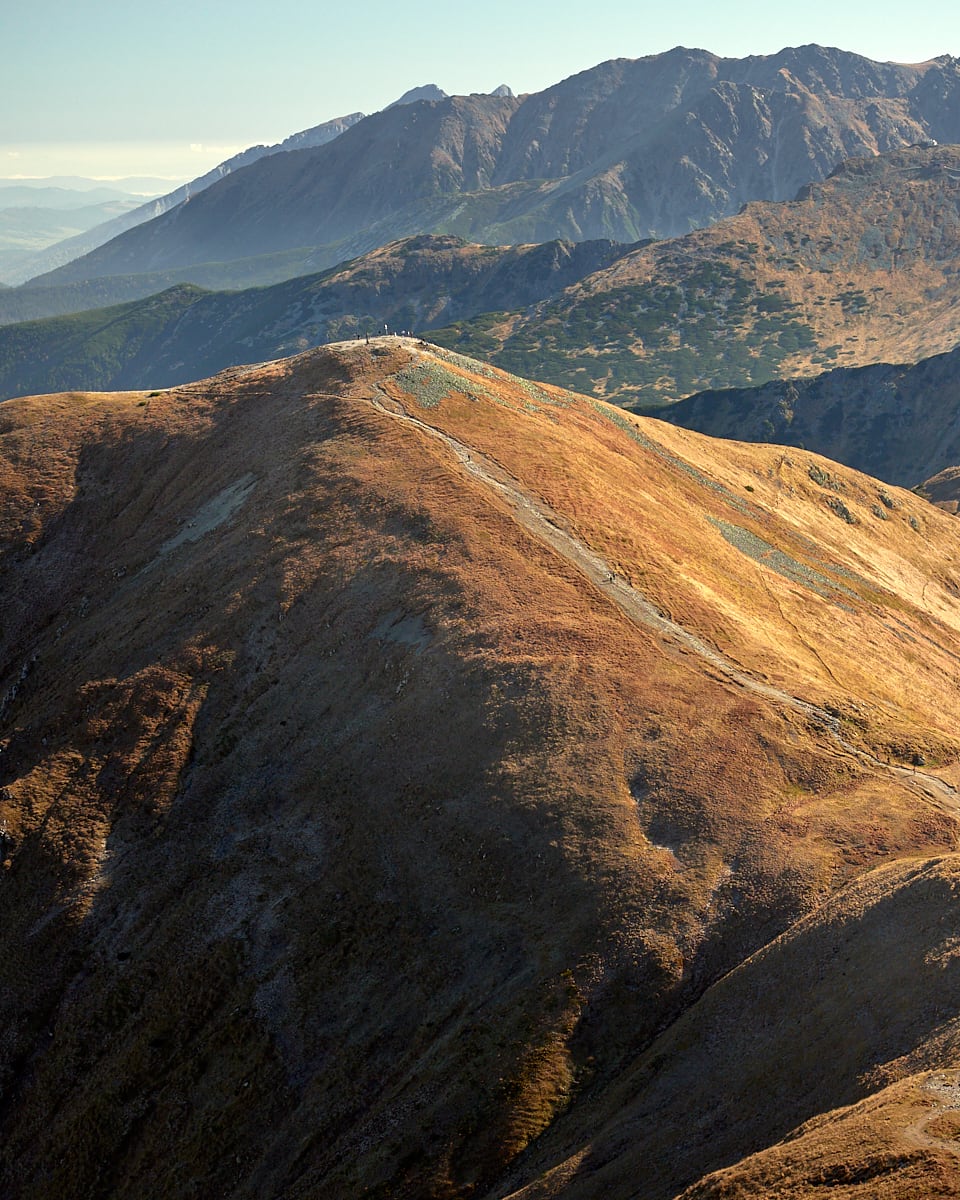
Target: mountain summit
{"points": [[429, 91]]}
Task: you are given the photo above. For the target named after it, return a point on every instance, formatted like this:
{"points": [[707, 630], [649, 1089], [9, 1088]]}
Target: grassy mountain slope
{"points": [[860, 268], [484, 790], [183, 332], [100, 345]]}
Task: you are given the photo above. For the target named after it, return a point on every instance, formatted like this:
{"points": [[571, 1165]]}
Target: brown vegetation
{"points": [[859, 269]]}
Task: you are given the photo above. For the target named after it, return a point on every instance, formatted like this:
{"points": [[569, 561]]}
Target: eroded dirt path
{"points": [[539, 519]]}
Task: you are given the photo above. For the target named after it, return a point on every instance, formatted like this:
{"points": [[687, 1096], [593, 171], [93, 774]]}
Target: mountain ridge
{"points": [[183, 332], [593, 156], [895, 422], [859, 268]]}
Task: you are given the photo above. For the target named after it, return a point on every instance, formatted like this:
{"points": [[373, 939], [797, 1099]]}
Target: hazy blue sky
{"points": [[105, 87]]}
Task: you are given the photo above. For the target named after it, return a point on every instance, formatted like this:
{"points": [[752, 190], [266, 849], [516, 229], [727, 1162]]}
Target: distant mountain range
{"points": [[23, 268], [138, 185], [176, 335], [55, 196], [68, 249], [628, 150], [27, 228]]}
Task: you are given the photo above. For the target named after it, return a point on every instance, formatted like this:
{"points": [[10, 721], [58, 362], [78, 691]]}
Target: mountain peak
{"points": [[712, 132], [429, 91]]}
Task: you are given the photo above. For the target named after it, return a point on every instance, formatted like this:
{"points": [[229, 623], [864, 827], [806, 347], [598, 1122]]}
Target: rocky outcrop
{"points": [[429, 91]]}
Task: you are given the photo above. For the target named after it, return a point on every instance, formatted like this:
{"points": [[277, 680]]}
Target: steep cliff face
{"points": [[418, 782], [627, 150]]}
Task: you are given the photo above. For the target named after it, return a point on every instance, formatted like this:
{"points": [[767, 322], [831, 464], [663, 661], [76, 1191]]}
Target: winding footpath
{"points": [[539, 519], [943, 1089]]}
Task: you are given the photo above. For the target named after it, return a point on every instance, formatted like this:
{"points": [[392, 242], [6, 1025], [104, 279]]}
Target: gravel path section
{"points": [[944, 1090]]}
